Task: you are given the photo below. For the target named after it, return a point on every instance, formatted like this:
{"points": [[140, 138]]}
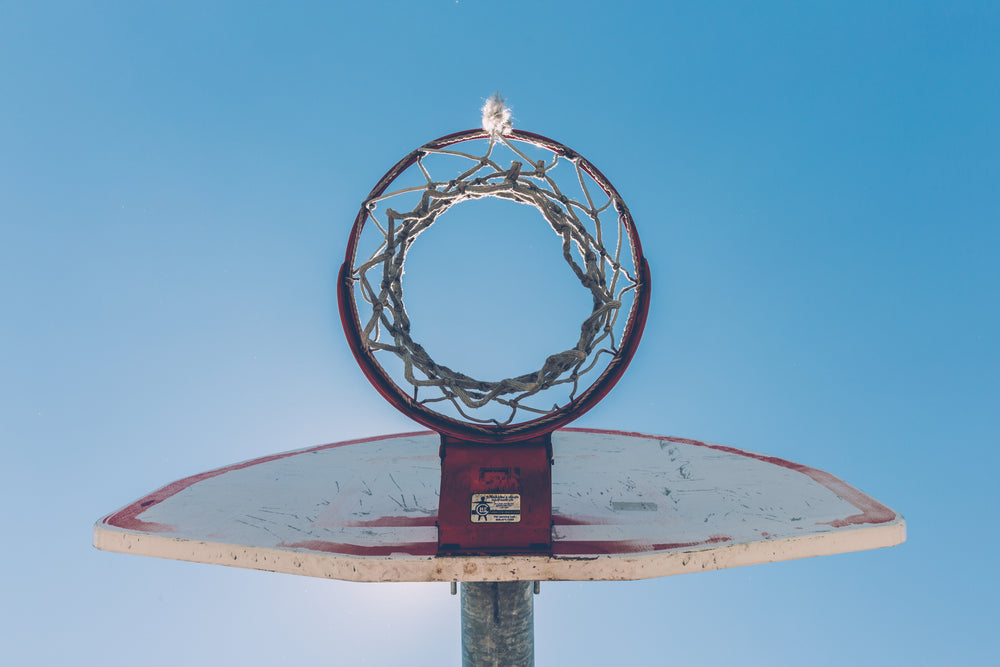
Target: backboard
{"points": [[624, 506]]}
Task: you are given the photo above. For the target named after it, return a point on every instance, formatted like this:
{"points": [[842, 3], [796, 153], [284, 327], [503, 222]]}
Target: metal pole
{"points": [[498, 625]]}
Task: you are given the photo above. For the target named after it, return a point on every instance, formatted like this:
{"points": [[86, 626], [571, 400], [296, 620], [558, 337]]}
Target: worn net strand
{"points": [[378, 277]]}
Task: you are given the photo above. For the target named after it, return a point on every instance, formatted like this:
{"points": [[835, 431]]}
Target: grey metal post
{"points": [[498, 624]]}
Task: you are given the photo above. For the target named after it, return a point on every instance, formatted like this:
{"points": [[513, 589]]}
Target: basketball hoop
{"points": [[600, 246], [513, 500]]}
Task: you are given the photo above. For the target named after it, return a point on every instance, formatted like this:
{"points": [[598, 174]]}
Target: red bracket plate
{"points": [[495, 499]]}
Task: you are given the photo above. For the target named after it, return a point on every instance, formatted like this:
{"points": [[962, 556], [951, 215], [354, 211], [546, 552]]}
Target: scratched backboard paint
{"points": [[625, 506]]}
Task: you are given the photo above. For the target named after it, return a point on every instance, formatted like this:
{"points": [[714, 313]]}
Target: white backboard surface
{"points": [[625, 506]]}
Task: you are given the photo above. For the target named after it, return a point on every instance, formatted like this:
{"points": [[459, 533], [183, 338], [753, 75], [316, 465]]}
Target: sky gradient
{"points": [[815, 187]]}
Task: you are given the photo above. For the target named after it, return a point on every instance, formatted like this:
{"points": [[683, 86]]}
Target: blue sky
{"points": [[815, 186]]}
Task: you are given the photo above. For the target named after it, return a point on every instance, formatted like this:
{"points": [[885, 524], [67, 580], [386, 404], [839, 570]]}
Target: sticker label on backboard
{"points": [[496, 508]]}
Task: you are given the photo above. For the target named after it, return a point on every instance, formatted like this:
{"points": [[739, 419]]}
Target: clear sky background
{"points": [[816, 189]]}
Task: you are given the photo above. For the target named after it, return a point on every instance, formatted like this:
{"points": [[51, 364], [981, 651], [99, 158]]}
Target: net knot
{"points": [[496, 116]]}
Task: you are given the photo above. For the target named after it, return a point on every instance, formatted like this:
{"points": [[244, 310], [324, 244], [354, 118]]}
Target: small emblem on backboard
{"points": [[496, 507]]}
